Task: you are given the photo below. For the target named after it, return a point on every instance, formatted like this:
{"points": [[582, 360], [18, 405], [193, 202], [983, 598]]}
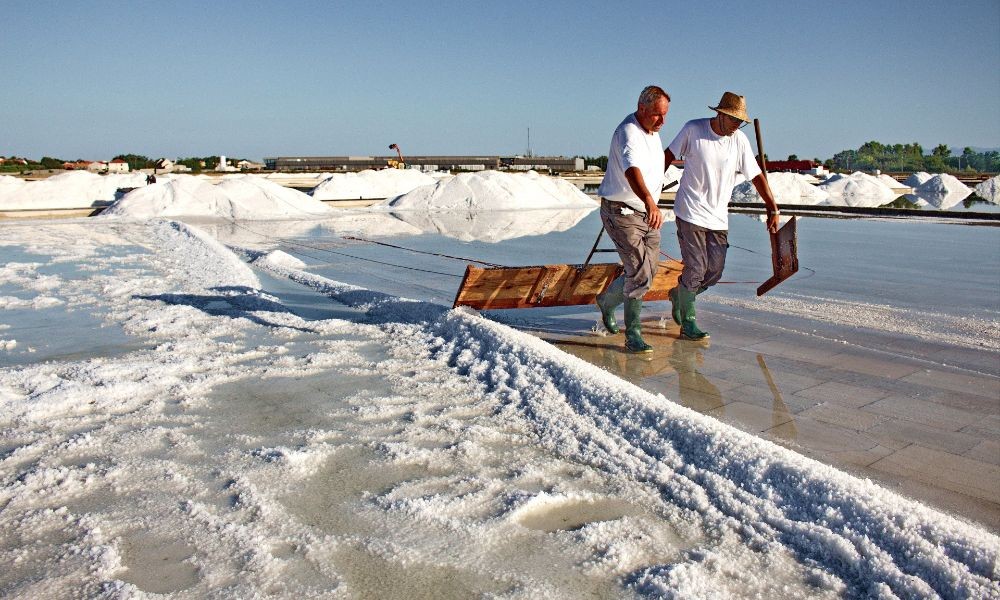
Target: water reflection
{"points": [[779, 410], [696, 391]]}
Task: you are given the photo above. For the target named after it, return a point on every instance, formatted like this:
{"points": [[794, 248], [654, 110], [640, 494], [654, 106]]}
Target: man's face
{"points": [[728, 124], [653, 116]]}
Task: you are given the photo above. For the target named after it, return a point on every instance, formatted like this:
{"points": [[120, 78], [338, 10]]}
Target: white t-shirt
{"points": [[711, 162], [631, 146]]}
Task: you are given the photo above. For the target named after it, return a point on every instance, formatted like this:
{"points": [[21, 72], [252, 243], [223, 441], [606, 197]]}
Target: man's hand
{"points": [[653, 216], [772, 222]]}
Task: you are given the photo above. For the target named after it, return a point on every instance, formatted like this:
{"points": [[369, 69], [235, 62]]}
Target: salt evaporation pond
{"points": [[386, 446]]}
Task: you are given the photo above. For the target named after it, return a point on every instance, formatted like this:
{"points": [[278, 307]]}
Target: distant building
{"points": [[246, 165], [450, 163], [806, 167], [225, 167], [117, 166]]}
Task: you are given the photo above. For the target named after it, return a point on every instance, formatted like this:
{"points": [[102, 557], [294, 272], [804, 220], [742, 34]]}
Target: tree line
{"points": [[14, 164], [910, 157]]}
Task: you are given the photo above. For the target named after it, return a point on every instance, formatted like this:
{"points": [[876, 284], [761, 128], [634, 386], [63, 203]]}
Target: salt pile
{"points": [[244, 197], [386, 183], [889, 181], [496, 225], [856, 189], [493, 190], [943, 191], [917, 179], [8, 183], [989, 190], [73, 189], [788, 188]]}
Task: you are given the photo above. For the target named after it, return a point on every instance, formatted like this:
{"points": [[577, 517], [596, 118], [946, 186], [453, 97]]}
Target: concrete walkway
{"points": [[892, 410]]}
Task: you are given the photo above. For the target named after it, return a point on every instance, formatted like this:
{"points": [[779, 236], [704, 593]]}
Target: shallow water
{"points": [[950, 268]]}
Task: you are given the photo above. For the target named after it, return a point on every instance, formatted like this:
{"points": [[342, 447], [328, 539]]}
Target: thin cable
{"points": [[461, 258], [320, 249]]}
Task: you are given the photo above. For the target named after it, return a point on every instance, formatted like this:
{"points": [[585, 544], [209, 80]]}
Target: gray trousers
{"points": [[637, 243], [703, 252]]}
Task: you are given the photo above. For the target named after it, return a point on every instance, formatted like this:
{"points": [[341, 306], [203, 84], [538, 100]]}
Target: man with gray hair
{"points": [[629, 191]]}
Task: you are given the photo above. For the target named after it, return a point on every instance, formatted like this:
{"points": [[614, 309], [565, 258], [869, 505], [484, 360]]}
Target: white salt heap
{"points": [[385, 183], [856, 189], [73, 189], [493, 190], [989, 190], [917, 179], [943, 191], [243, 197], [9, 184], [496, 225], [890, 182], [788, 188]]}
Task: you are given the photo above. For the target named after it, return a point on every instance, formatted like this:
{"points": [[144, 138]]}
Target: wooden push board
{"points": [[551, 285], [784, 256]]}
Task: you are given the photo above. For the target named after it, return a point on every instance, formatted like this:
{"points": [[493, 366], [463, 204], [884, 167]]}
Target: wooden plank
{"points": [[784, 256], [550, 285]]}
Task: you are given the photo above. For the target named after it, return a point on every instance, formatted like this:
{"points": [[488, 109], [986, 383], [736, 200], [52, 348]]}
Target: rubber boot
{"points": [[633, 327], [609, 301], [675, 304], [689, 329]]}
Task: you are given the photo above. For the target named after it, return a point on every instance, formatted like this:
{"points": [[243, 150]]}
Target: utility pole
{"points": [[529, 142]]}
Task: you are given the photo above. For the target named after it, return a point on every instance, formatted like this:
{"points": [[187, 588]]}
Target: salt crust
{"points": [[752, 518]]}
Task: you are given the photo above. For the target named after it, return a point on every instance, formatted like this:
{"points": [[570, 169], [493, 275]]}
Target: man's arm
{"points": [[760, 182], [638, 185], [668, 157]]}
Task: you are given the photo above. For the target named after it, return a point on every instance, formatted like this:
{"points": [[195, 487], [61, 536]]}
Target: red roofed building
{"points": [[118, 166], [807, 167]]}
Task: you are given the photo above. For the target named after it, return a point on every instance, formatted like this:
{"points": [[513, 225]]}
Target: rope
{"points": [[461, 258], [327, 250]]}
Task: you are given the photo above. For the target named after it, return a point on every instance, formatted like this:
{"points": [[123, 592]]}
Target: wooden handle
{"points": [[760, 147]]}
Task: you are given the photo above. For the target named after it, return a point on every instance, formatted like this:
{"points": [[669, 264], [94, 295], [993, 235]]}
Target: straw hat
{"points": [[734, 106]]}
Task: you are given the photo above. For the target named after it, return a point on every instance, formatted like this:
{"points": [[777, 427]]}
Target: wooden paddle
{"points": [[784, 243]]}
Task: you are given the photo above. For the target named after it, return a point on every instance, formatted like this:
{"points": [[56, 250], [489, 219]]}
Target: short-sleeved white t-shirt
{"points": [[711, 162], [631, 146]]}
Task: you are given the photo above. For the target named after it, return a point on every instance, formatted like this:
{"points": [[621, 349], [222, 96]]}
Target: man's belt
{"points": [[614, 204]]}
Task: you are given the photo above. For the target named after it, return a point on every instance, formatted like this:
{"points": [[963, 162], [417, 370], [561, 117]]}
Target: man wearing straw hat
{"points": [[629, 191], [714, 151]]}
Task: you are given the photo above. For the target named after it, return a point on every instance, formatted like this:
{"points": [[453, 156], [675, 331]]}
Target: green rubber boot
{"points": [[633, 327], [675, 305], [609, 301], [689, 329]]}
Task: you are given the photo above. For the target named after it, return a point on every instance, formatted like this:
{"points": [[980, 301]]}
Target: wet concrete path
{"points": [[918, 418]]}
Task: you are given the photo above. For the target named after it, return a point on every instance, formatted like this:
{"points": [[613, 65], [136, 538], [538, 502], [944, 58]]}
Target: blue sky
{"points": [[255, 79]]}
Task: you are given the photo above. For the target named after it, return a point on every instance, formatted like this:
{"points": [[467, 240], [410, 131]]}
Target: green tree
{"points": [[51, 163], [793, 157]]}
